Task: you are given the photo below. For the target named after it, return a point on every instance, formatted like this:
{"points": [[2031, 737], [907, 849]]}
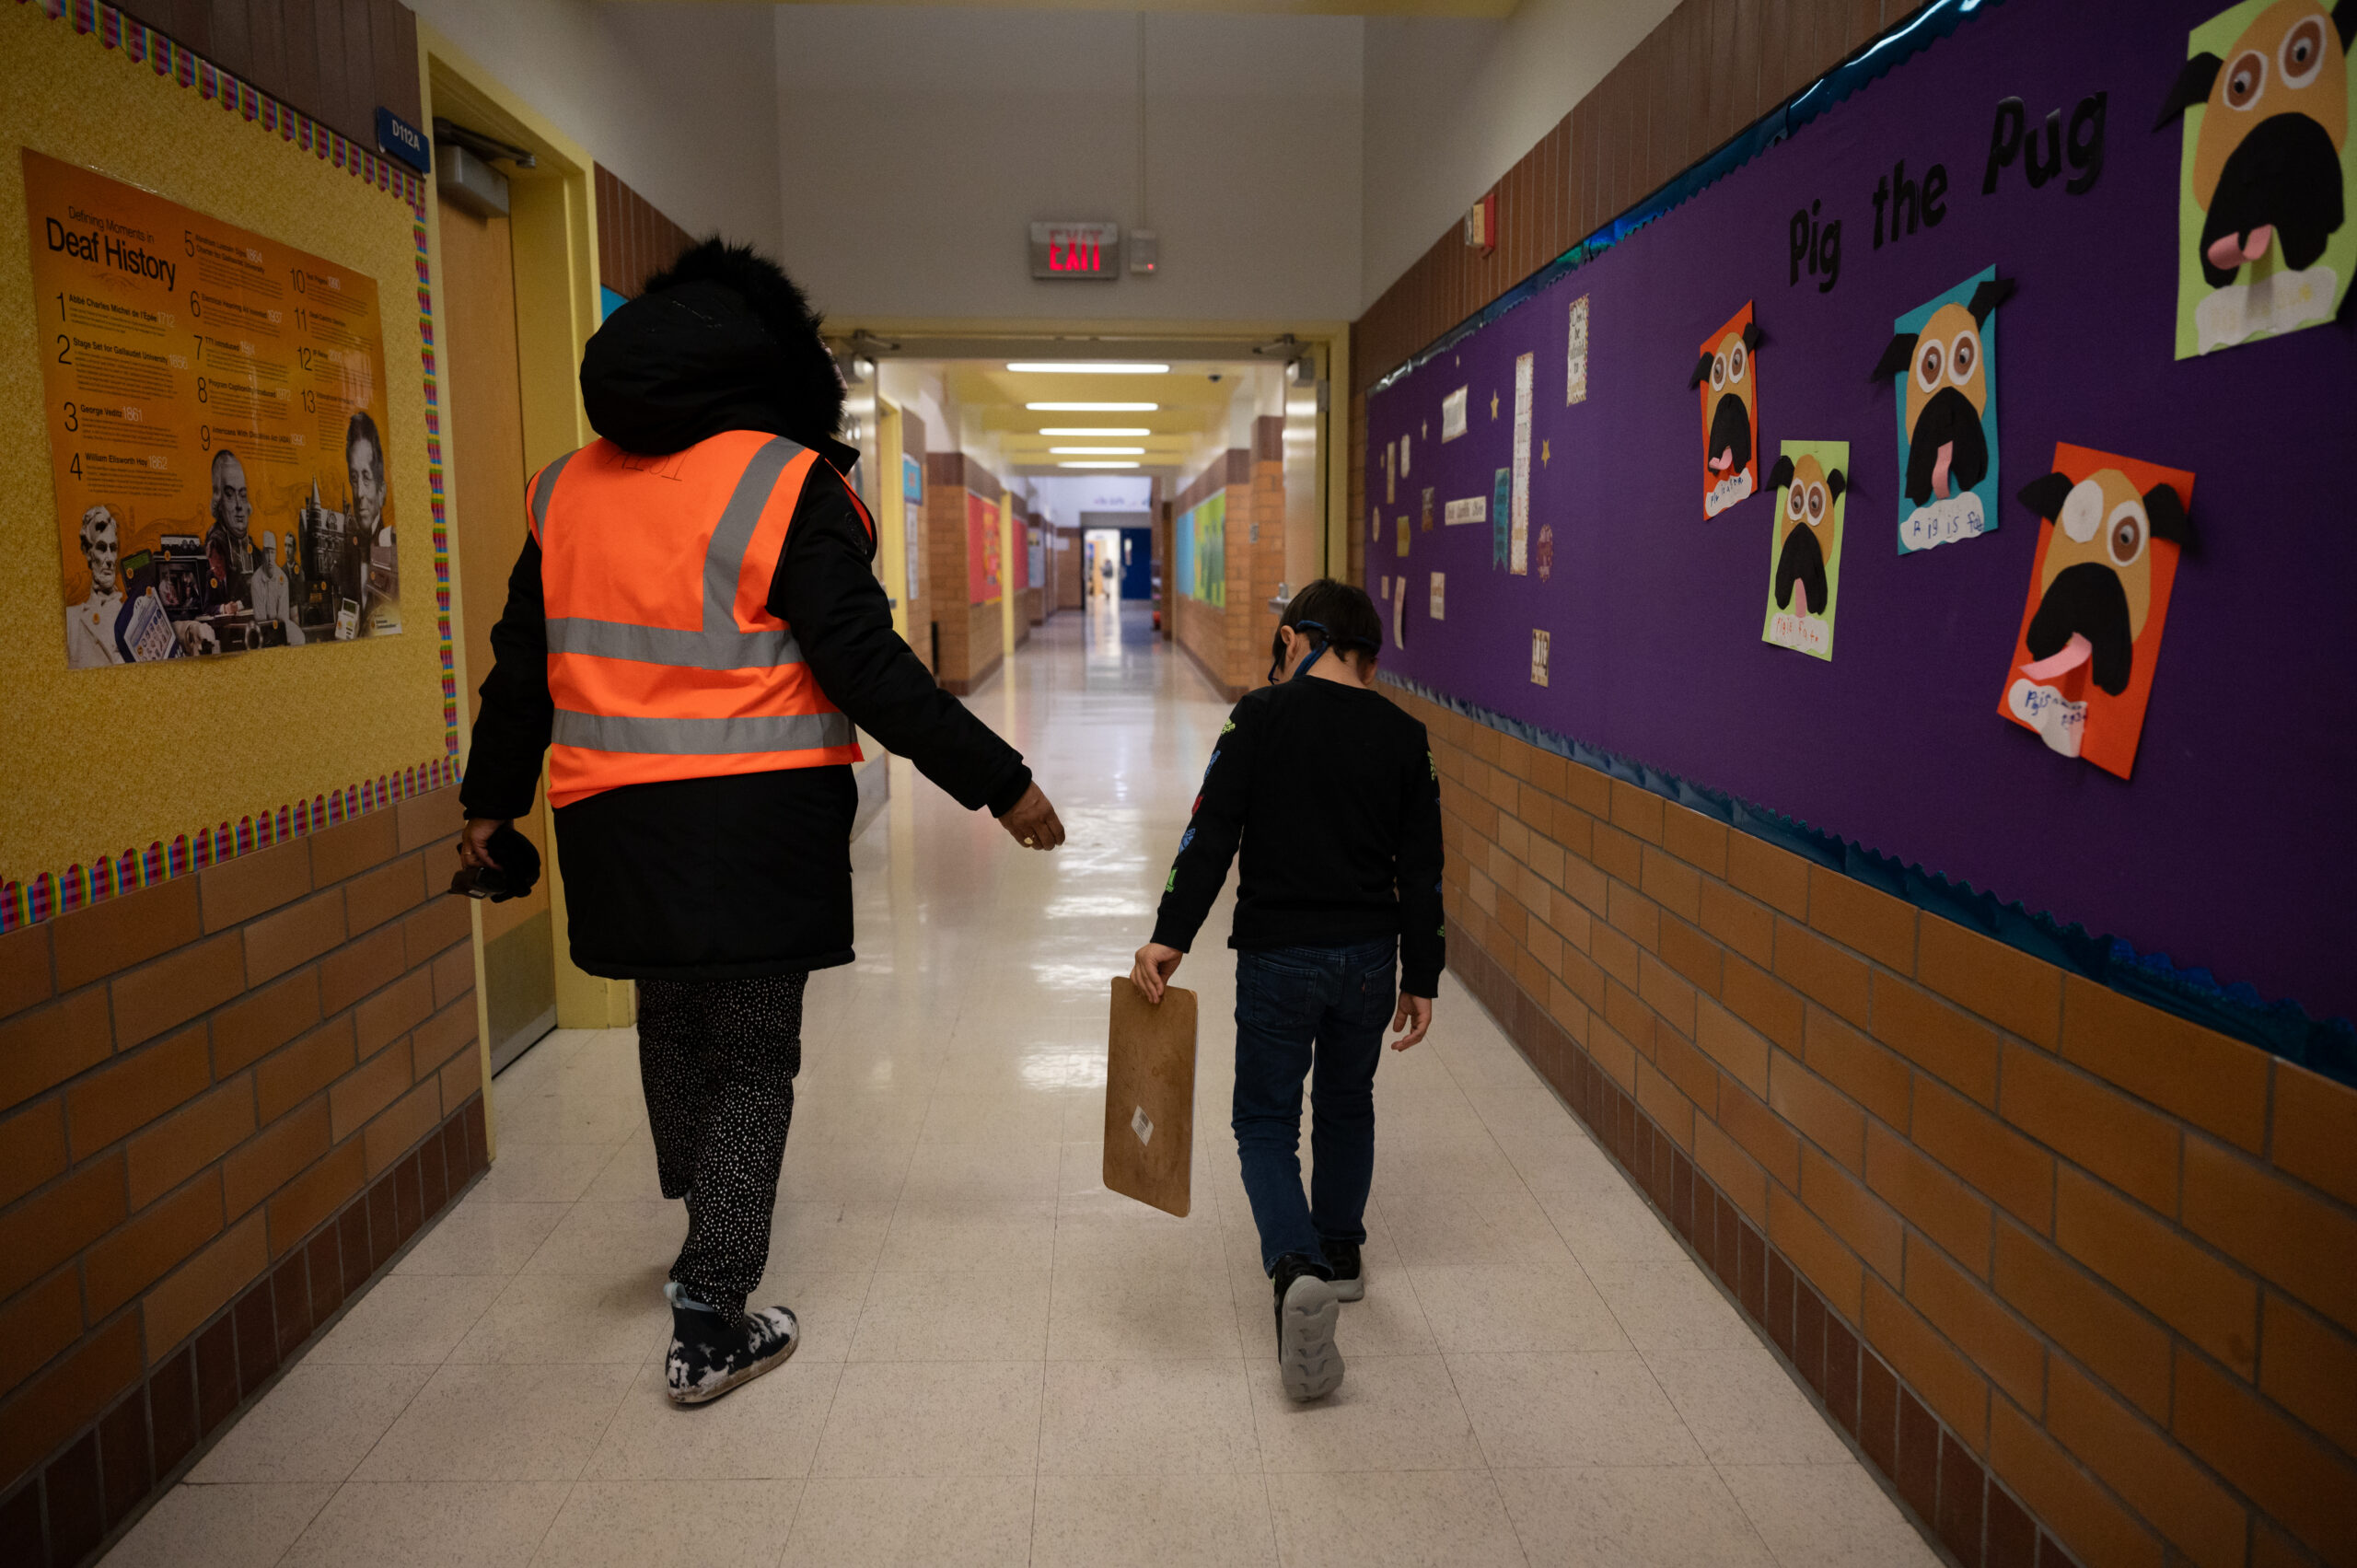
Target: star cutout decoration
{"points": [[1494, 405], [1542, 454]]}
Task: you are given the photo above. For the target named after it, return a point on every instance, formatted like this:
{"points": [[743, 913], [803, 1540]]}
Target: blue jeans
{"points": [[1296, 1008]]}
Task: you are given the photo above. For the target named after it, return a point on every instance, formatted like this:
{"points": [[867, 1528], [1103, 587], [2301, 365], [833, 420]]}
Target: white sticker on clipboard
{"points": [[1142, 1125]]}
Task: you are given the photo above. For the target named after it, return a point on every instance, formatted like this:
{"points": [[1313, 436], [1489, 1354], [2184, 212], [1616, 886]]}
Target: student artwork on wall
{"points": [[1728, 376], [2108, 555], [1210, 551], [2267, 179], [1501, 514], [1805, 563], [1540, 641], [1969, 169], [982, 562], [1575, 356], [1942, 361], [1439, 596], [1452, 415], [1519, 544], [216, 406]]}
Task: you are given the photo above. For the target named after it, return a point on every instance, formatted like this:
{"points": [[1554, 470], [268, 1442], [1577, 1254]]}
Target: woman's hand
{"points": [[1031, 821], [1416, 1010], [474, 844], [1152, 969]]}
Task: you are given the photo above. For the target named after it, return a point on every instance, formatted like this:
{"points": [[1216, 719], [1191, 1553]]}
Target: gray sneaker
{"points": [[1306, 1311], [1342, 1258]]}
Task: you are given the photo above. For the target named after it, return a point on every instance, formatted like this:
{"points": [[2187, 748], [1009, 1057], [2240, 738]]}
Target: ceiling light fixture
{"points": [[1095, 465], [1096, 452], [1093, 407], [1088, 367], [1108, 430]]}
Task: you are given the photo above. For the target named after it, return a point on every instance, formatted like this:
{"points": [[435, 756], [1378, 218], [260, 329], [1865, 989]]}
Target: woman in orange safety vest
{"points": [[691, 632]]}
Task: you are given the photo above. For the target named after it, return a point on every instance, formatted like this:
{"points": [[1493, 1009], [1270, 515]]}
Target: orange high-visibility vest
{"points": [[664, 659]]}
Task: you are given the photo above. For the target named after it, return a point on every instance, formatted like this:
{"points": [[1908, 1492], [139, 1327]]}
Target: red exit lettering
{"points": [[1070, 255]]}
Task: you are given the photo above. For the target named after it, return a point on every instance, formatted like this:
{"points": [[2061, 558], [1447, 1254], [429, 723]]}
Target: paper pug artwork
{"points": [[2263, 239], [2107, 557], [1728, 376], [1805, 566], [1943, 356]]}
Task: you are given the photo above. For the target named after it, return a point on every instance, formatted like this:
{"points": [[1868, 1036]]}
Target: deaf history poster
{"points": [[216, 414]]}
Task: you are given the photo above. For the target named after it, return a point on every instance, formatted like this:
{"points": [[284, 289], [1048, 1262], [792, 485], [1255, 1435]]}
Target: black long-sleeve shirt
{"points": [[1334, 794]]}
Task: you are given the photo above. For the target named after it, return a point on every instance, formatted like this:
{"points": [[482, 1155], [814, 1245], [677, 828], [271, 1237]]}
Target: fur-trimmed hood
{"points": [[721, 339]]}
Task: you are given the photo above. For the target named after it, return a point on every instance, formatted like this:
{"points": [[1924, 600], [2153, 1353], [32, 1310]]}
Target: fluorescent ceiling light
{"points": [[1093, 407], [1099, 430], [1103, 465], [1096, 452], [1089, 367]]}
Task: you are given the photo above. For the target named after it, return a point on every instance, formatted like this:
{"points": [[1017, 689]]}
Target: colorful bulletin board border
{"points": [[47, 894], [2322, 1045]]}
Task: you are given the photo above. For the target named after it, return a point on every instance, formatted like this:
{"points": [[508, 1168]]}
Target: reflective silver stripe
{"points": [[723, 560], [702, 737], [733, 649], [540, 495], [720, 645]]}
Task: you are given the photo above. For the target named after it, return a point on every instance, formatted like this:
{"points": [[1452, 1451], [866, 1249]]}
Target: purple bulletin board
{"points": [[2234, 846]]}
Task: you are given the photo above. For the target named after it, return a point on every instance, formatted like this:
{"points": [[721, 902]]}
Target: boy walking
{"points": [[1332, 791]]}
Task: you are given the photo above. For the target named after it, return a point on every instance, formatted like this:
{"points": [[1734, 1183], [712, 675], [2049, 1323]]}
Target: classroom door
{"points": [[483, 418]]}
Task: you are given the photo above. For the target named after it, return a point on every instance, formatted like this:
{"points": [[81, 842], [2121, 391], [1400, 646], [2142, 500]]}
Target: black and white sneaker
{"points": [[710, 1356], [1306, 1311], [1342, 1258]]}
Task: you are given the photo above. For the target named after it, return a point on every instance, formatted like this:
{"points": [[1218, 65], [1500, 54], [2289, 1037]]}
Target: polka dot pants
{"points": [[718, 1058]]}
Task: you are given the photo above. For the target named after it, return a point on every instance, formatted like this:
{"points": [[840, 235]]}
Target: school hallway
{"points": [[1003, 1363]]}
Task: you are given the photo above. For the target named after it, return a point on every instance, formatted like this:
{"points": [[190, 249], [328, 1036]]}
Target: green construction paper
{"points": [[1793, 626], [2268, 297]]}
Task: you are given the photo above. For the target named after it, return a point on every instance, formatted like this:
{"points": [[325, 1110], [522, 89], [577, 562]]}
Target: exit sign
{"points": [[1076, 250]]}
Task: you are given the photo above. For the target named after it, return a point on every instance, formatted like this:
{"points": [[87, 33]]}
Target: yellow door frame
{"points": [[892, 512], [553, 221]]}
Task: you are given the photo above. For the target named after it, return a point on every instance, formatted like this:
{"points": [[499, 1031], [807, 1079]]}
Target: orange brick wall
{"points": [[225, 1102], [1230, 643], [2049, 1254], [971, 637]]}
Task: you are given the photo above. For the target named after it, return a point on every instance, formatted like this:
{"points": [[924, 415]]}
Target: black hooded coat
{"points": [[740, 875]]}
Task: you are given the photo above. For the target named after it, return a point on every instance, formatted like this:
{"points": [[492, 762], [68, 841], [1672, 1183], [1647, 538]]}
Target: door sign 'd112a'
{"points": [[1076, 250]]}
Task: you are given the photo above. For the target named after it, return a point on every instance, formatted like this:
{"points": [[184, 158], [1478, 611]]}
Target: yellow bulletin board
{"points": [[216, 413], [105, 763]]}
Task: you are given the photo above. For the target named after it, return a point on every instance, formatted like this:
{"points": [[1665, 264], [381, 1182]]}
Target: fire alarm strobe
{"points": [[1061, 251]]}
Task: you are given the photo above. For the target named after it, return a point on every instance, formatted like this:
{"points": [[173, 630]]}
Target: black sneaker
{"points": [[1306, 1309], [1342, 1258], [710, 1356]]}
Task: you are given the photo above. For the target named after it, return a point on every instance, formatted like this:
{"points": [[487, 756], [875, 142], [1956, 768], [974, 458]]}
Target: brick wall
{"points": [[334, 60], [2053, 1258], [225, 1102], [972, 641], [635, 239], [1221, 639]]}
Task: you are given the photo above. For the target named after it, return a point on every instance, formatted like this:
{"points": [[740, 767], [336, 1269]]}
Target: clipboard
{"points": [[1150, 1096]]}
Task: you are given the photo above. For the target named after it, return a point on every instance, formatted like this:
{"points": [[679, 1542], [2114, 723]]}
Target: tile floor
{"points": [[1003, 1363]]}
